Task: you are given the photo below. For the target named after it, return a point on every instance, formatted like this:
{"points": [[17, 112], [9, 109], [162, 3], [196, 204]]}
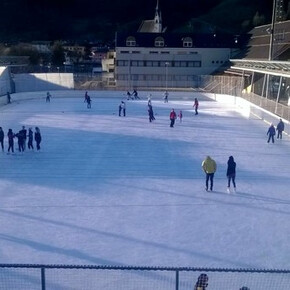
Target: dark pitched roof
{"points": [[259, 43]]}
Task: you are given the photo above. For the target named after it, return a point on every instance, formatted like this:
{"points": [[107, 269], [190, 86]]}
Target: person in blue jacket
{"points": [[271, 132]]}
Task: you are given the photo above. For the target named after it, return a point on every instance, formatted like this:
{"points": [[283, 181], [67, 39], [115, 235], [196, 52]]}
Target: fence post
{"points": [[176, 280], [42, 278]]}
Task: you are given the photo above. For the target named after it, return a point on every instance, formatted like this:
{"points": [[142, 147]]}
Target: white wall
{"points": [[5, 83], [45, 81]]}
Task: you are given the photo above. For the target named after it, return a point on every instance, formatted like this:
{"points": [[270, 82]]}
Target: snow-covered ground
{"points": [[113, 190]]}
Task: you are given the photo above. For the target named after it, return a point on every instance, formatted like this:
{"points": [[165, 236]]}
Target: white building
{"points": [[169, 60]]}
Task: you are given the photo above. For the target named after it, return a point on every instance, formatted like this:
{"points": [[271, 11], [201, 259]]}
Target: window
{"points": [[165, 63], [131, 41], [122, 63], [187, 42], [194, 64], [137, 63], [159, 41]]}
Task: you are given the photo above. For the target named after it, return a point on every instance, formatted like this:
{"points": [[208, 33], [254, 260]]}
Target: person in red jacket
{"points": [[172, 118], [195, 105]]}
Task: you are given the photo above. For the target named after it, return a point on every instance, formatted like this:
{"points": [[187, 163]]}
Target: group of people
{"points": [[23, 136], [209, 167], [133, 95], [272, 131]]}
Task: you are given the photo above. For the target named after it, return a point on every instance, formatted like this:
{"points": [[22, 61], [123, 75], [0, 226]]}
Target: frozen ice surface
{"points": [[113, 190]]}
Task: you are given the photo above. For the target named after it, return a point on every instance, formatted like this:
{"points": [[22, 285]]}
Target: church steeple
{"points": [[157, 19], [154, 25]]}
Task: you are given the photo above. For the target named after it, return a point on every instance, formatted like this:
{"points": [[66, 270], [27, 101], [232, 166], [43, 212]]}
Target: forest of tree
{"points": [[98, 20]]}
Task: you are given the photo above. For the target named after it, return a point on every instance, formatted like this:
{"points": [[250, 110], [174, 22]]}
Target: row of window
{"points": [[151, 77], [157, 51], [153, 63], [159, 41]]}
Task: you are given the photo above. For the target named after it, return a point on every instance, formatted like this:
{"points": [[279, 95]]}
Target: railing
{"points": [[80, 277]]}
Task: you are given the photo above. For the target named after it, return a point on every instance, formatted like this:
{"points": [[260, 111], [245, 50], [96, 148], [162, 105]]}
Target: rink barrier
{"points": [[131, 277]]}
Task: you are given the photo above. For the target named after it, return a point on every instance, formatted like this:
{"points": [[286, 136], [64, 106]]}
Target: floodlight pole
{"points": [[166, 76], [272, 31]]}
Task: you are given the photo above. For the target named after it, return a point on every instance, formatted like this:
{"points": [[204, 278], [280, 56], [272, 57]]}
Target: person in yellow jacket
{"points": [[209, 167]]}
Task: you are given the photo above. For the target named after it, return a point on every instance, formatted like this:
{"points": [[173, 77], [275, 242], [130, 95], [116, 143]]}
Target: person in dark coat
{"points": [[172, 118], [48, 95], [271, 132], [20, 138], [280, 129], [166, 94], [135, 95], [89, 102], [150, 113], [195, 105], [30, 139], [24, 136], [10, 136], [2, 138], [231, 173], [37, 138], [202, 282]]}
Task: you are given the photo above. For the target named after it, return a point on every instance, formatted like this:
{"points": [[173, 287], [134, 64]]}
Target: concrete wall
{"points": [[5, 81], [43, 82]]}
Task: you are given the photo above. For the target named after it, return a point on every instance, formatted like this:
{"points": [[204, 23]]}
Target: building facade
{"points": [[170, 60]]}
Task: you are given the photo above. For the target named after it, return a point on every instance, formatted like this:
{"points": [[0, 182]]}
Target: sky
{"points": [[110, 190]]}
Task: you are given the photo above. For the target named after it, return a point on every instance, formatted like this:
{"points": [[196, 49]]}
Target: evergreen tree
{"points": [[58, 56]]}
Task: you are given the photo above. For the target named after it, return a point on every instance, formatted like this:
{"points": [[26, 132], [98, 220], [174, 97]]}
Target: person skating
{"points": [[280, 129], [209, 167], [123, 105], [10, 136], [30, 139], [2, 139], [129, 96], [166, 97], [47, 99], [20, 139], [120, 109], [195, 105], [89, 102], [135, 95], [24, 135], [271, 132], [172, 118], [180, 116], [37, 138], [150, 113], [231, 173]]}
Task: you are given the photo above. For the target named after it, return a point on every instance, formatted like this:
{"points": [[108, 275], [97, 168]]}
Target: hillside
{"points": [[27, 20]]}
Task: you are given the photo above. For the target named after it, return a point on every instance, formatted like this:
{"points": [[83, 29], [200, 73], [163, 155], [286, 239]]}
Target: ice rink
{"points": [[112, 190]]}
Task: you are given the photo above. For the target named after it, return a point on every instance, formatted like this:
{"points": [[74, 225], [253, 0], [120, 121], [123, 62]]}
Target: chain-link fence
{"points": [[63, 277]]}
